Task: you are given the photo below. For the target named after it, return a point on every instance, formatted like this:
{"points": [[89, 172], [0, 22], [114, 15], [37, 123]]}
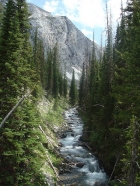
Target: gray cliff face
{"points": [[73, 47]]}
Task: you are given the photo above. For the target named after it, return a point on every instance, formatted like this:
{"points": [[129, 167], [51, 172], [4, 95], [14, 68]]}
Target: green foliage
{"points": [[112, 103], [116, 183], [65, 86], [55, 88], [82, 87], [56, 84], [73, 90], [1, 13], [54, 116], [21, 152], [49, 84], [39, 62]]}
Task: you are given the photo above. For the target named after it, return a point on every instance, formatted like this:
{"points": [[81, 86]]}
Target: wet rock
{"points": [[63, 136], [80, 164], [81, 138], [49, 180], [72, 134], [99, 184], [69, 130], [61, 171], [70, 123], [60, 145], [67, 171]]}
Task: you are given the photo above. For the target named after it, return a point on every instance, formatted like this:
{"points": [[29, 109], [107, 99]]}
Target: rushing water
{"points": [[90, 173]]}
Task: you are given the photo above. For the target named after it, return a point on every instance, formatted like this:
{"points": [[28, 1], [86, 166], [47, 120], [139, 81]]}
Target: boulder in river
{"points": [[80, 164], [63, 136]]}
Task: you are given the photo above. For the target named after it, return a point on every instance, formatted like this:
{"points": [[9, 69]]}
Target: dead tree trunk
{"points": [[13, 109]]}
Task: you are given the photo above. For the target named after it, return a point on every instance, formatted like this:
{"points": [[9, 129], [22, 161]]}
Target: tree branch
{"points": [[137, 164]]}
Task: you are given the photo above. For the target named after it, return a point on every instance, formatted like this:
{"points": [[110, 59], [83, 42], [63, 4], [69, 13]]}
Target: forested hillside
{"points": [[109, 98], [26, 76]]}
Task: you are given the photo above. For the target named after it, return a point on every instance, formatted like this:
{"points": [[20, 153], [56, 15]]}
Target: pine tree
{"points": [[1, 13], [100, 102], [82, 88], [65, 86], [49, 79], [11, 43], [20, 139], [73, 90], [55, 88], [126, 94], [39, 60], [21, 149], [60, 82], [131, 92]]}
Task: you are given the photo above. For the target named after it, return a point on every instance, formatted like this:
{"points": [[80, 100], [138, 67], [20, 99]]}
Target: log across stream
{"points": [[85, 170]]}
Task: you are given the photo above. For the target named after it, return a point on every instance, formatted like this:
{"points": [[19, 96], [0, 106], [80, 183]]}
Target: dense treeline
{"points": [[24, 70], [56, 84], [109, 96]]}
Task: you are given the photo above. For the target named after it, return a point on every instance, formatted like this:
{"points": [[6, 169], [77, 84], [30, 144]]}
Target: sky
{"points": [[87, 15]]}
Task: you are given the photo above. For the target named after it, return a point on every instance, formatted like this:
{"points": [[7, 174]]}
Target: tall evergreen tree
{"points": [[61, 85], [55, 88], [1, 13], [127, 95], [73, 90], [39, 60], [82, 88], [114, 117], [20, 138], [49, 83], [65, 86], [100, 102]]}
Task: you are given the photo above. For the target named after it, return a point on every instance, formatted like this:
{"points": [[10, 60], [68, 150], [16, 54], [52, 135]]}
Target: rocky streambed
{"points": [[83, 168]]}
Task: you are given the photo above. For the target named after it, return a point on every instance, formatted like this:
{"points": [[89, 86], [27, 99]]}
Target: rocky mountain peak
{"points": [[37, 12], [74, 47]]}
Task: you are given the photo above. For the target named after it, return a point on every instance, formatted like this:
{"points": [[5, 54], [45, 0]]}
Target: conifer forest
{"points": [[107, 99]]}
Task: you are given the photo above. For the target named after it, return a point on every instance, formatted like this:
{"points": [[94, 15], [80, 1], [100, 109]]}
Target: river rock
{"points": [[63, 136], [72, 134], [80, 164], [49, 179]]}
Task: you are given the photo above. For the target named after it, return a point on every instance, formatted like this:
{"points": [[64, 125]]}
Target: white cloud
{"points": [[89, 13], [51, 6], [86, 32], [28, 1]]}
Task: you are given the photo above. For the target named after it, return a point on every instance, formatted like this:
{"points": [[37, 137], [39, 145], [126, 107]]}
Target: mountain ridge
{"points": [[74, 47]]}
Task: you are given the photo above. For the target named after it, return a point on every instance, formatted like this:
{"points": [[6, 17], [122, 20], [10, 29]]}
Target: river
{"points": [[85, 170]]}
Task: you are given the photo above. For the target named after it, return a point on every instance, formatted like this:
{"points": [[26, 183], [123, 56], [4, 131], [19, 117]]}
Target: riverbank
{"points": [[53, 123]]}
